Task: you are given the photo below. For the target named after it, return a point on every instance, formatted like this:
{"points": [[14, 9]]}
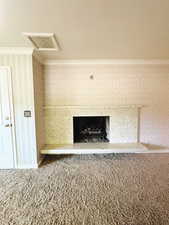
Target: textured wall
{"points": [[113, 85], [23, 96], [39, 102]]}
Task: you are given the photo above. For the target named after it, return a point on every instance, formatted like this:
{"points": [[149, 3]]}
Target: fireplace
{"points": [[91, 129]]}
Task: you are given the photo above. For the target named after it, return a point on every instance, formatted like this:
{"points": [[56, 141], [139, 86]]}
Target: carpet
{"points": [[112, 189]]}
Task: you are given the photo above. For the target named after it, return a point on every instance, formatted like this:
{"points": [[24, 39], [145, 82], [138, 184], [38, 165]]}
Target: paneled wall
{"points": [[23, 96], [107, 85]]}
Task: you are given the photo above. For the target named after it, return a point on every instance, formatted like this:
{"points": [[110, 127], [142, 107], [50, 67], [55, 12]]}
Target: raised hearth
{"points": [[96, 148]]}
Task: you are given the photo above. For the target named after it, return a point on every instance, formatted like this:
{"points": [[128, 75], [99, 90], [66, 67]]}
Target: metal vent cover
{"points": [[43, 41]]}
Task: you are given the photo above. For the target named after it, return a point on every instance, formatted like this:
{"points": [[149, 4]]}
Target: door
{"points": [[6, 119]]}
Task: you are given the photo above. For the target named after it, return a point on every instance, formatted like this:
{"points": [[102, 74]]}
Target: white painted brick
{"points": [[115, 84]]}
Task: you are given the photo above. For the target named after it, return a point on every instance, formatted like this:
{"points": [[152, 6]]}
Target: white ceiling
{"points": [[91, 29]]}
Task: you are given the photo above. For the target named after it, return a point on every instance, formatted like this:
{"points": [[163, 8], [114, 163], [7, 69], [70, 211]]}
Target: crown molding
{"points": [[107, 62], [53, 62], [16, 51], [22, 51]]}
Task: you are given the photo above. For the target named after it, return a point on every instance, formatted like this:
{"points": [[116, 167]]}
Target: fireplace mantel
{"points": [[108, 107]]}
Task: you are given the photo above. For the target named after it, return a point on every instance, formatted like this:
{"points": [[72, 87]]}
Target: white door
{"points": [[6, 119]]}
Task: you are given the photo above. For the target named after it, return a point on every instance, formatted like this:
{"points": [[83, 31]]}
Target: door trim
{"points": [[11, 97]]}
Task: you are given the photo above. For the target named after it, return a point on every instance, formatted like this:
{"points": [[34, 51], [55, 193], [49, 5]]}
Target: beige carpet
{"points": [[121, 189]]}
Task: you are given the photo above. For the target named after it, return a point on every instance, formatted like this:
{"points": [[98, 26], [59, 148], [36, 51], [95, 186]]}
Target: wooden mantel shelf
{"points": [[109, 107]]}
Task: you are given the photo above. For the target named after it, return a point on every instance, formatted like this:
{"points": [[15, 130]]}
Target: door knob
{"points": [[8, 125]]}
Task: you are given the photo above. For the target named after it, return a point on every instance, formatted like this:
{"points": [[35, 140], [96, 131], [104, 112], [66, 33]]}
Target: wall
{"points": [[39, 102], [23, 97], [69, 85]]}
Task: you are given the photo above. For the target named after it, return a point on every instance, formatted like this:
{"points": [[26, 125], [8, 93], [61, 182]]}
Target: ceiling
{"points": [[90, 29]]}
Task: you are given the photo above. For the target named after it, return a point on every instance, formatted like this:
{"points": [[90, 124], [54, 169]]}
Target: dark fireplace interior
{"points": [[91, 129]]}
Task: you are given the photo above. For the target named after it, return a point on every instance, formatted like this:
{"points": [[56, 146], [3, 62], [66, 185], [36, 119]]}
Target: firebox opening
{"points": [[91, 129]]}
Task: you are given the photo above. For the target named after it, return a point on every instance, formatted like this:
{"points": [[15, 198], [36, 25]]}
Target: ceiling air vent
{"points": [[43, 41]]}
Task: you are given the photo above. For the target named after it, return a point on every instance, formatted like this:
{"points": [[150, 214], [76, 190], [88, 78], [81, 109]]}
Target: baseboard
{"points": [[41, 160], [32, 166]]}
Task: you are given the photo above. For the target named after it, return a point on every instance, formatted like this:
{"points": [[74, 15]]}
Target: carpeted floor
{"points": [[115, 189]]}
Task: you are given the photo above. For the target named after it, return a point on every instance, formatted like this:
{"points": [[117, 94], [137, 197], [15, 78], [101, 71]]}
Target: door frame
{"points": [[11, 99]]}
